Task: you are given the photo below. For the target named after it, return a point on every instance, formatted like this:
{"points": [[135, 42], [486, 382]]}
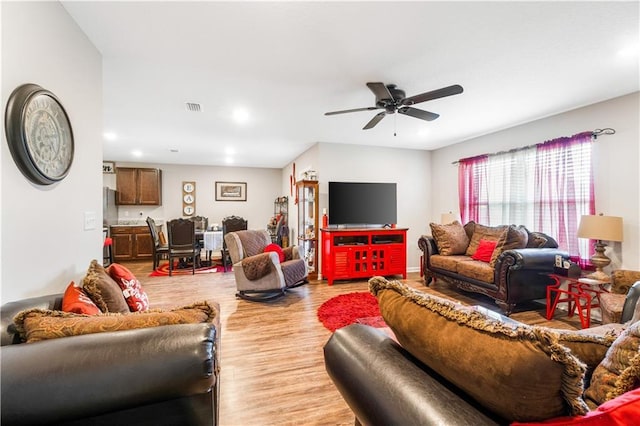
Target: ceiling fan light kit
{"points": [[392, 100]]}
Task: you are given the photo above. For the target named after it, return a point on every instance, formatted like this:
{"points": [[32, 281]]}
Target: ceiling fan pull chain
{"points": [[395, 124]]}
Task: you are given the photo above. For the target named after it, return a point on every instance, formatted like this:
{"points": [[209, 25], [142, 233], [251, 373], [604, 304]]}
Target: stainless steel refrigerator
{"points": [[109, 208]]}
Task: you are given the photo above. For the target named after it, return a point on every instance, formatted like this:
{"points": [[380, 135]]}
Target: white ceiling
{"points": [[287, 63]]}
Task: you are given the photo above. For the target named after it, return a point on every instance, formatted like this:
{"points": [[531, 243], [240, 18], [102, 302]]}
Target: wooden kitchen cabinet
{"points": [[131, 243], [138, 186]]}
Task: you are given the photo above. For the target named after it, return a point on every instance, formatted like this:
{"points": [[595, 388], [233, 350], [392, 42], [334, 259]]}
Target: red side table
{"points": [[581, 294]]}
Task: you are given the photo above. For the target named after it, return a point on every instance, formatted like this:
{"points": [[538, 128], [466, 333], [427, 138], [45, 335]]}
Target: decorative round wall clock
{"points": [[39, 134]]}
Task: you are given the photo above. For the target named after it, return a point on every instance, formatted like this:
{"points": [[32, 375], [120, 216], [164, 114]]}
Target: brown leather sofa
{"points": [[384, 384], [165, 375], [516, 275]]}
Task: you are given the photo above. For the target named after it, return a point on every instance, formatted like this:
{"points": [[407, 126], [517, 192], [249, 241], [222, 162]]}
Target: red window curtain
{"points": [[472, 189]]}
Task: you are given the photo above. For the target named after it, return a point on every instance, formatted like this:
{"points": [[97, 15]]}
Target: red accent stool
{"points": [[363, 253], [108, 253], [576, 295], [593, 287]]}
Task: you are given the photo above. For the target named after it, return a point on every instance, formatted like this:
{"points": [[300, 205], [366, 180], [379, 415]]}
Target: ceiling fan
{"points": [[392, 99]]}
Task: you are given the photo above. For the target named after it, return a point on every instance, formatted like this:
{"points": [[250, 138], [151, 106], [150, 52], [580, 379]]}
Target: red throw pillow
{"points": [[76, 300], [623, 410], [485, 250], [132, 290], [277, 249]]}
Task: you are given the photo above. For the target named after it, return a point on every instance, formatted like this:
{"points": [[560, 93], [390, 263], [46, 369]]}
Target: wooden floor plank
{"points": [[272, 366]]}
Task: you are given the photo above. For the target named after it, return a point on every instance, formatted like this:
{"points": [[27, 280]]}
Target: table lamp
{"points": [[600, 228], [446, 218]]}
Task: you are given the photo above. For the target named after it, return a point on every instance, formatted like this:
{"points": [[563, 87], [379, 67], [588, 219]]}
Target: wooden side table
{"points": [[581, 293]]}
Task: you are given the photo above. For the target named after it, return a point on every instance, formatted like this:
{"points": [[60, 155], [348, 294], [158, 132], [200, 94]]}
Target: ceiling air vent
{"points": [[193, 107]]}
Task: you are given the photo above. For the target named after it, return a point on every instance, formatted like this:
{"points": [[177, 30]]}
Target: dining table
{"points": [[210, 241]]}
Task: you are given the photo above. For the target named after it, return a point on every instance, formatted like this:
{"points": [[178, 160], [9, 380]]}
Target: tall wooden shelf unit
{"points": [[280, 211], [307, 198], [363, 253]]}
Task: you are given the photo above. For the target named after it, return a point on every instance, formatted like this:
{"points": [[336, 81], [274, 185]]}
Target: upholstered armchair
{"points": [[230, 224], [260, 274], [612, 304]]}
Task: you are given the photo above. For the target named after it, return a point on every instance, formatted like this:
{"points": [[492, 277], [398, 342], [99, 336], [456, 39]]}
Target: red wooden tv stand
{"points": [[363, 252]]}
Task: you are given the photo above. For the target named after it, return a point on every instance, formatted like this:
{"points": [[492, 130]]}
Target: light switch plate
{"points": [[89, 221]]}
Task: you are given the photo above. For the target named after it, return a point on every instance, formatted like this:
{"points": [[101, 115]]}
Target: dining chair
{"points": [[201, 224], [182, 243], [230, 224], [160, 250]]}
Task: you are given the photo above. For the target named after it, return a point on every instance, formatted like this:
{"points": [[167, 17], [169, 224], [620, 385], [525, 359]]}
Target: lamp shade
{"points": [[446, 218], [607, 228]]}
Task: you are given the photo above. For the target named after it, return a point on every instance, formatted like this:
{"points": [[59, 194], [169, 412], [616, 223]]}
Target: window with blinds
{"points": [[546, 187]]}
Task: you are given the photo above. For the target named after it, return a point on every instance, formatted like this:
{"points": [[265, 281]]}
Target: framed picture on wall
{"points": [[108, 167], [231, 191]]}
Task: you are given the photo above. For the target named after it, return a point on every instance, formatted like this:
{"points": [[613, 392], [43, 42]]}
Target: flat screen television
{"points": [[362, 203]]}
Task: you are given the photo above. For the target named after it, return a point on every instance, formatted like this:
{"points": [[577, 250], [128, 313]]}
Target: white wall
{"points": [[409, 169], [616, 171], [44, 245], [263, 187]]}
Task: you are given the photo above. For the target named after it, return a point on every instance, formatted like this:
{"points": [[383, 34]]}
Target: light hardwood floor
{"points": [[272, 367]]}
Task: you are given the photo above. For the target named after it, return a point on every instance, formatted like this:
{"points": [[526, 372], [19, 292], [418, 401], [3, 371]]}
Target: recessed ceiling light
{"points": [[240, 115], [109, 136], [228, 160], [136, 153], [173, 150]]}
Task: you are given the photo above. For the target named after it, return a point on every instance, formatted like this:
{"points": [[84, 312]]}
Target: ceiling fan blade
{"points": [[434, 94], [350, 110], [375, 120], [380, 90], [418, 113]]}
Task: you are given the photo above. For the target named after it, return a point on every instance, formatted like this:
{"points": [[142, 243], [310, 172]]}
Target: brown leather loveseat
{"points": [[516, 272], [166, 375]]}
